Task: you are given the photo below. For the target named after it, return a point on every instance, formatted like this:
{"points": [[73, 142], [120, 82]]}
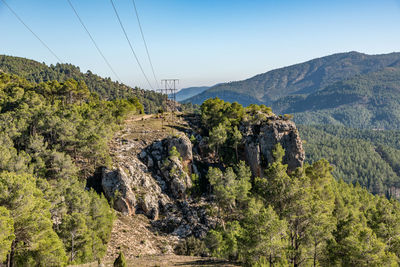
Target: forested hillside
{"points": [[369, 158], [52, 136], [301, 217], [303, 78], [106, 88], [370, 101]]}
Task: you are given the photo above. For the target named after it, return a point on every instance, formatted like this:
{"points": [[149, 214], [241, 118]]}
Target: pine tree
{"points": [[35, 241], [6, 233], [236, 139], [224, 188], [264, 234], [218, 136]]}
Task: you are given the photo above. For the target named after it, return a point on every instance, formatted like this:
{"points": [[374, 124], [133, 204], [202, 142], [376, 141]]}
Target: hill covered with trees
{"points": [[52, 136], [107, 89], [365, 157], [370, 101], [297, 218], [304, 78]]}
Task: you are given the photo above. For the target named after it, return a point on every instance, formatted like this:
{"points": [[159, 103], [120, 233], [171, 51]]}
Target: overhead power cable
{"points": [[94, 42], [130, 45], [26, 26], [145, 44]]}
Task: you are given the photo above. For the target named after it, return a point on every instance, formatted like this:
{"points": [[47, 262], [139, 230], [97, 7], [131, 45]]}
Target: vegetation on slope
{"points": [[37, 72], [301, 218], [52, 135], [365, 101], [303, 78], [365, 157]]}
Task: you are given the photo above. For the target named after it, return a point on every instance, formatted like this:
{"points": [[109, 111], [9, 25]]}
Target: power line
{"points": [[145, 44], [94, 42], [130, 45], [37, 37]]}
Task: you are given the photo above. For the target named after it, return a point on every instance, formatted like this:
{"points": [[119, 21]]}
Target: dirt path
{"points": [[139, 118]]}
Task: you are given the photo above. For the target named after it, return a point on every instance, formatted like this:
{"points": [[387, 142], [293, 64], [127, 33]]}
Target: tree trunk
{"points": [[315, 254], [237, 156], [72, 247], [10, 256]]}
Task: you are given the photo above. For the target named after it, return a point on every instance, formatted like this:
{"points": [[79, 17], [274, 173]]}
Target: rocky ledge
{"points": [[156, 184], [148, 178]]}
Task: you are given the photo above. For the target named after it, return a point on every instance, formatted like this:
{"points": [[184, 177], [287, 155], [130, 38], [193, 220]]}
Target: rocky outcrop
{"points": [[187, 218], [115, 184], [174, 171], [147, 180], [183, 145], [133, 190], [261, 138], [177, 178]]}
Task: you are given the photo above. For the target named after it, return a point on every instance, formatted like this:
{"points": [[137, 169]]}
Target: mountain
{"points": [[224, 193], [304, 78], [189, 92], [366, 101], [107, 89]]}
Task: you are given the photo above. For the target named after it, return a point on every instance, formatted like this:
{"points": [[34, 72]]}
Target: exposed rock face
{"points": [[115, 185], [260, 140], [186, 219], [133, 190], [178, 180], [394, 192], [146, 180], [174, 171]]}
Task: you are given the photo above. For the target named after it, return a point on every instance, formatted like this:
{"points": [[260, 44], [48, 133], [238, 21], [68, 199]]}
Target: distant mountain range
{"points": [[189, 92], [351, 89]]}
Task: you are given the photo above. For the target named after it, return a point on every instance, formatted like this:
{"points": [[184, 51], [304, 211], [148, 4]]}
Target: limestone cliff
{"points": [[260, 138], [146, 179]]}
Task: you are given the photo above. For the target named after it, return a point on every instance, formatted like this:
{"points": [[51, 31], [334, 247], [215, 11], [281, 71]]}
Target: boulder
{"points": [[176, 177], [133, 190], [183, 146], [148, 204], [115, 184]]}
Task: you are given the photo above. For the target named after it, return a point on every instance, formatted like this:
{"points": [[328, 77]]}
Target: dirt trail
{"points": [[139, 118]]}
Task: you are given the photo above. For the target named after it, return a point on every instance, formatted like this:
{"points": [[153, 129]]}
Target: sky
{"points": [[200, 42]]}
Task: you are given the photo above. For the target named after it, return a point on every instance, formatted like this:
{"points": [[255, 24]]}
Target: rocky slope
{"points": [[150, 182]]}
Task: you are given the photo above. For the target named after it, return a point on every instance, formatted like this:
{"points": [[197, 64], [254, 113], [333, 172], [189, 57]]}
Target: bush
{"points": [[120, 261], [191, 247]]}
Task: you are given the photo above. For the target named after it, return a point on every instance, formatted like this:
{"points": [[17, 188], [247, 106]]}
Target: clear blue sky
{"points": [[201, 42]]}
